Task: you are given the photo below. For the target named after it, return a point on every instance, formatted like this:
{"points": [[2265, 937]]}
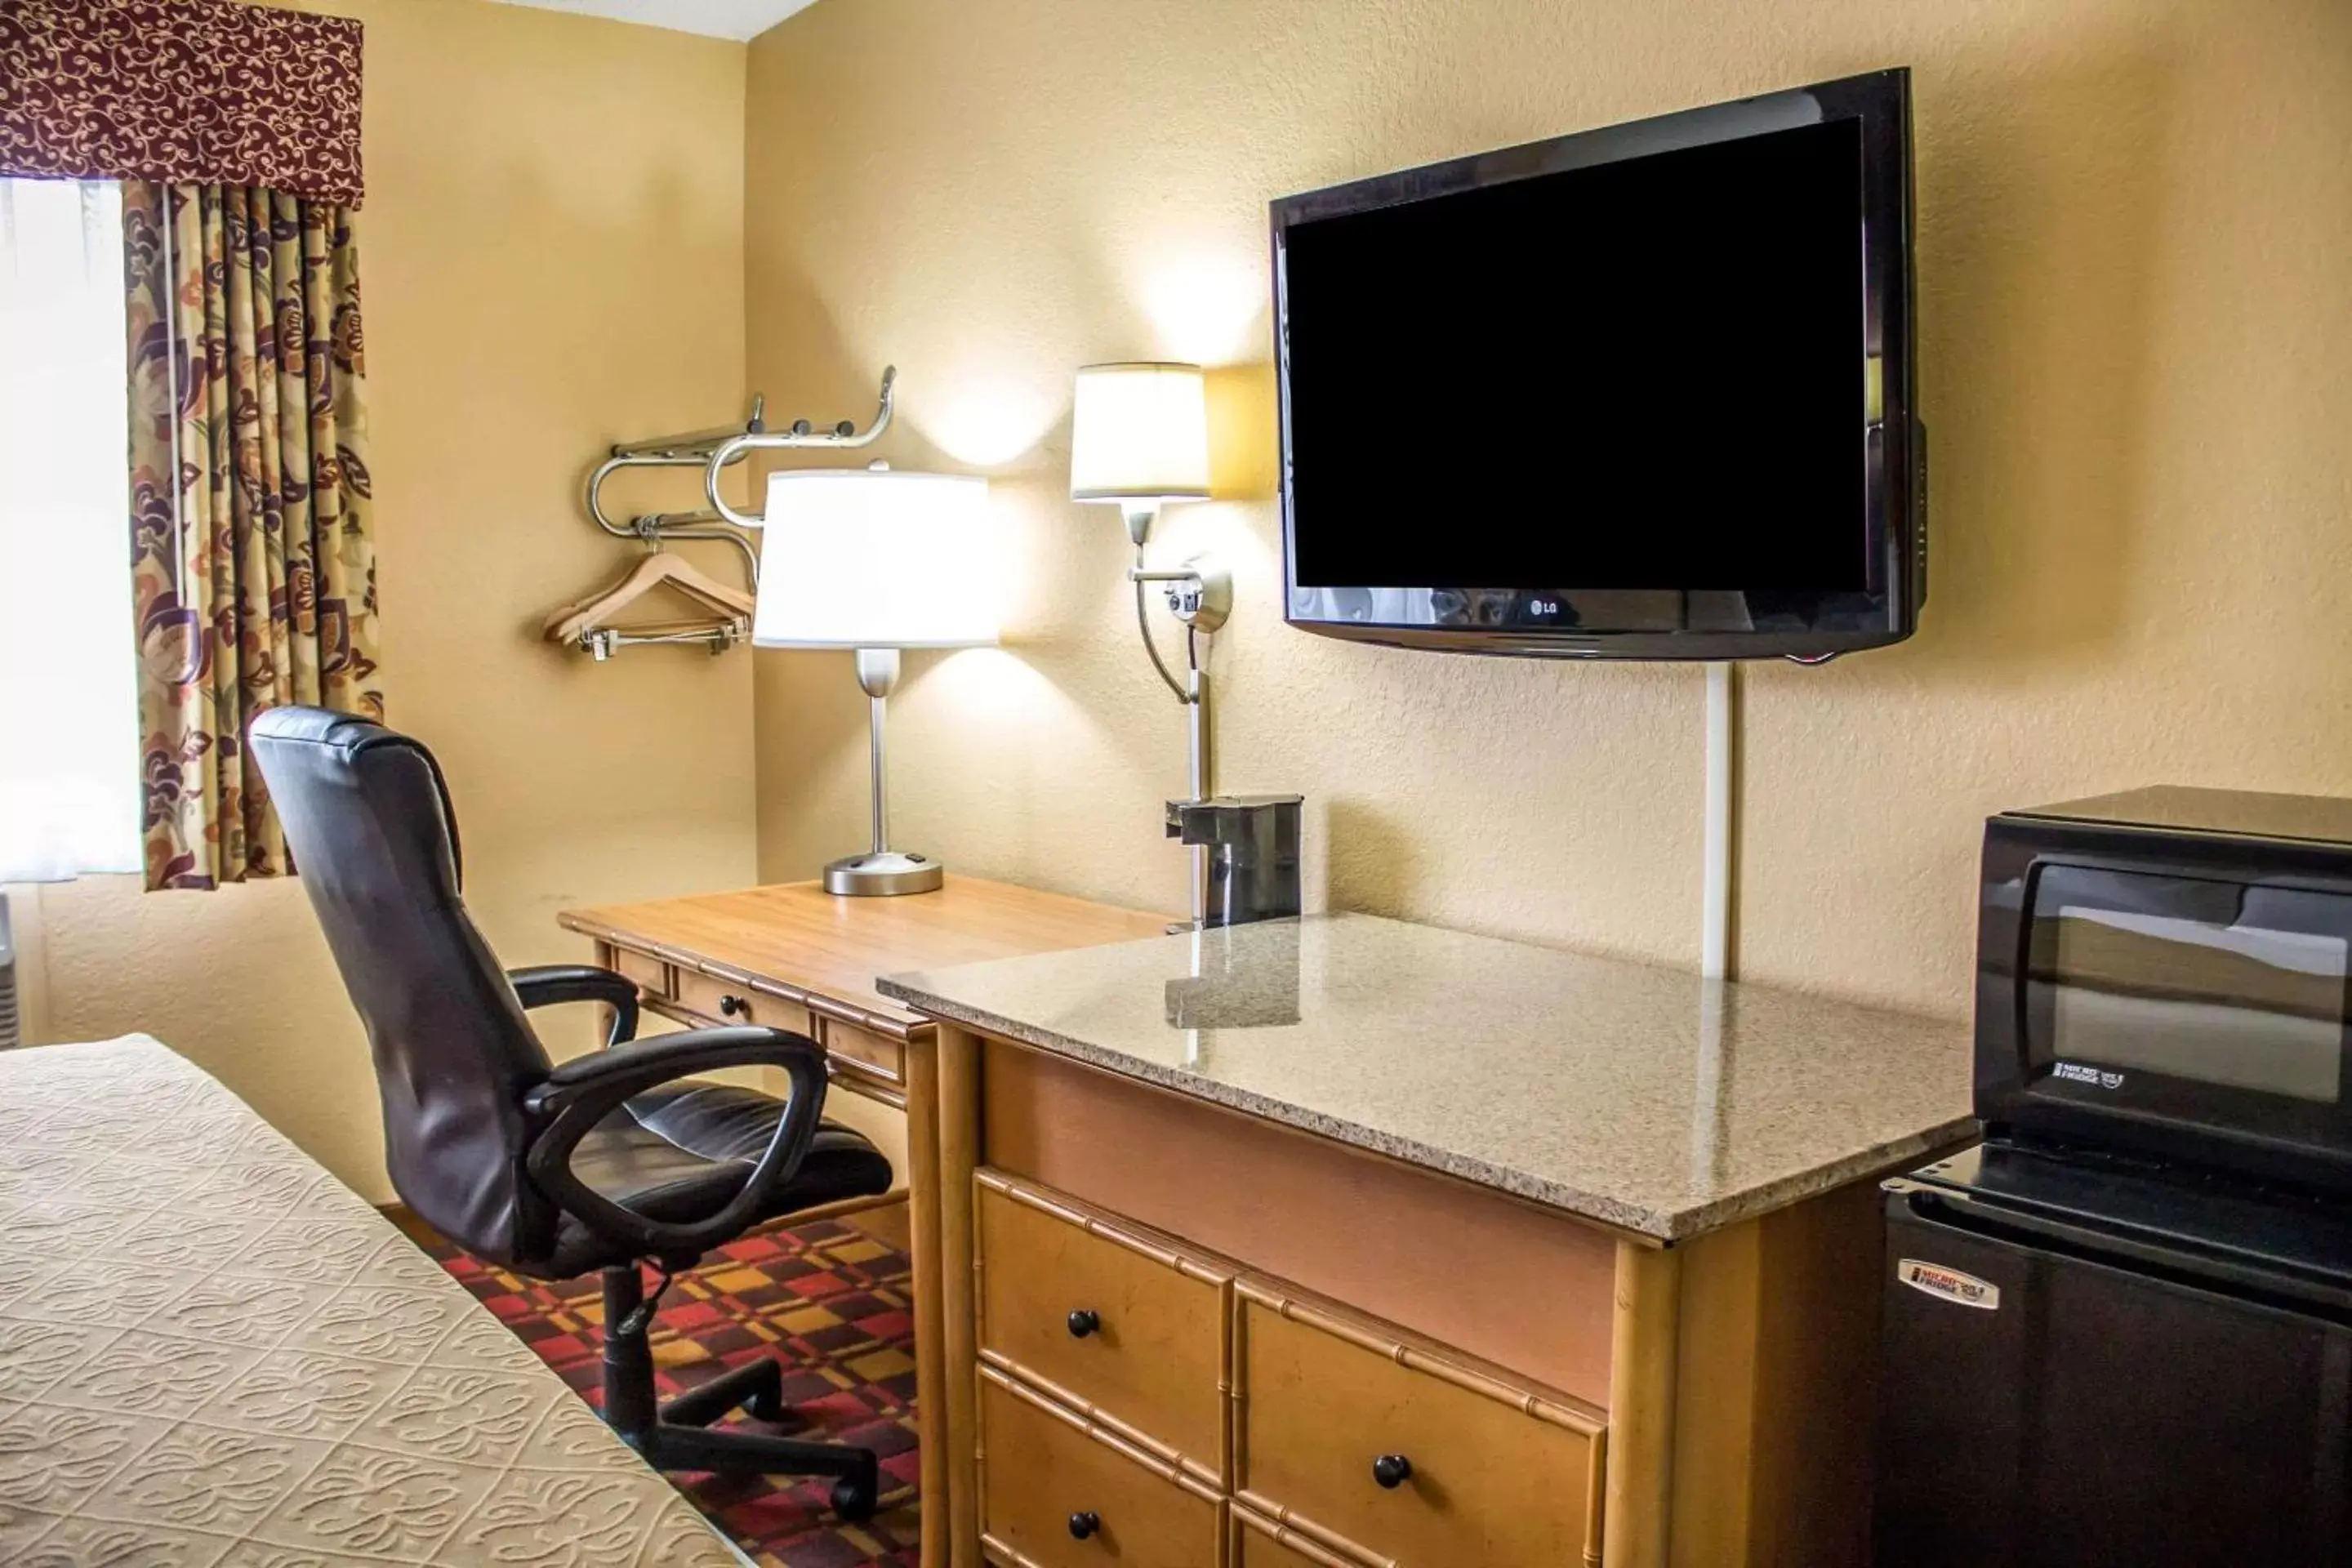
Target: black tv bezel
{"points": [[1496, 620]]}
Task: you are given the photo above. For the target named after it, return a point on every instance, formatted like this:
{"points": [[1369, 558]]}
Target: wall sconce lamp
{"points": [[1139, 438], [875, 560]]}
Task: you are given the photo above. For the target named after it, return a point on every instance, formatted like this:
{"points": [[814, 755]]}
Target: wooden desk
{"points": [[796, 957]]}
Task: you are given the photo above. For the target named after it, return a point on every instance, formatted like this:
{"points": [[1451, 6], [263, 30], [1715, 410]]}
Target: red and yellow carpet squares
{"points": [[831, 1303]]}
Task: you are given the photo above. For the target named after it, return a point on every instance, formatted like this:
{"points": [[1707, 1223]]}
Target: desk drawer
{"points": [[886, 1056], [1042, 1468], [1151, 1359], [651, 973], [725, 1002], [1496, 1474]]}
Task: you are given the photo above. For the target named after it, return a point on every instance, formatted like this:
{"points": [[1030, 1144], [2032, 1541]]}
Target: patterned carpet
{"points": [[830, 1302]]}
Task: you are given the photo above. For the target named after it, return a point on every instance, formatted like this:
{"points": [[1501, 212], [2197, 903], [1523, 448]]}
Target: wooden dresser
{"points": [[1357, 1245]]}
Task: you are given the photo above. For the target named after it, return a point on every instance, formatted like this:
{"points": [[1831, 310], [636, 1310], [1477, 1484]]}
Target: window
{"points": [[68, 693]]}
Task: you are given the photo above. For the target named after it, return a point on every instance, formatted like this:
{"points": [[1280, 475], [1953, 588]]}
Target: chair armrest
{"points": [[584, 1091], [546, 985]]}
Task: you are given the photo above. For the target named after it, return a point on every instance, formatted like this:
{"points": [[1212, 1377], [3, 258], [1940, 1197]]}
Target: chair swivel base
{"points": [[676, 1436]]}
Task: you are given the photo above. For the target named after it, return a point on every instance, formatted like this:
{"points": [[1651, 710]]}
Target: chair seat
{"points": [[679, 1152]]}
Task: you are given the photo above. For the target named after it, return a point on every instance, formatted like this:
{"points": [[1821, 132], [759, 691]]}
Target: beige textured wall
{"points": [[553, 259], [2138, 365]]}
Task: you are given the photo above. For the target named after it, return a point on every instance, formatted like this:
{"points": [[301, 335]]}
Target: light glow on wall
{"points": [[1207, 307], [983, 420]]}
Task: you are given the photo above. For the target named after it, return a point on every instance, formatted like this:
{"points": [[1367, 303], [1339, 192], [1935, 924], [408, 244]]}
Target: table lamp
{"points": [[874, 561]]}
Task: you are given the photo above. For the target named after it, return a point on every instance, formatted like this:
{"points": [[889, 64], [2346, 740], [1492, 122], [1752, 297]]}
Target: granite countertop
{"points": [[1640, 1097]]}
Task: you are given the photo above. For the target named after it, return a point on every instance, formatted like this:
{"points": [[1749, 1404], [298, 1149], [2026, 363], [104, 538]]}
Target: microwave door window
{"points": [[2237, 1005]]}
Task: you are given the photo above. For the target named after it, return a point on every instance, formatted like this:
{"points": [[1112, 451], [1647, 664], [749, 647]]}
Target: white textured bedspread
{"points": [[213, 1354]]}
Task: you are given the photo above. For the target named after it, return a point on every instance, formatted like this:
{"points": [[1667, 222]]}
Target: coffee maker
{"points": [[1253, 851]]}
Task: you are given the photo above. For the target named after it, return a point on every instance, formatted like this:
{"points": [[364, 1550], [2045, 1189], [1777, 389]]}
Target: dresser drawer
{"points": [[1058, 1492], [725, 1002], [1113, 1322], [1491, 1474]]}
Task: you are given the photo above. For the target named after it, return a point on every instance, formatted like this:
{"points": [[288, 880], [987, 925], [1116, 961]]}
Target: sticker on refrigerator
{"points": [[1948, 1284]]}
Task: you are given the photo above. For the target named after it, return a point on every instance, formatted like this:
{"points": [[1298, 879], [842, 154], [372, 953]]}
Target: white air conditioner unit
{"points": [[11, 1030]]}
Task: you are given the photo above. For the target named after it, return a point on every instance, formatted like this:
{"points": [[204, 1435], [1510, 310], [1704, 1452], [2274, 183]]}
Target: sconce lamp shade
{"points": [[870, 558], [1139, 432]]}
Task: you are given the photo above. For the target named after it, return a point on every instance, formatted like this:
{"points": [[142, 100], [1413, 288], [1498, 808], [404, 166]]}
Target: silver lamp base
{"points": [[882, 875]]}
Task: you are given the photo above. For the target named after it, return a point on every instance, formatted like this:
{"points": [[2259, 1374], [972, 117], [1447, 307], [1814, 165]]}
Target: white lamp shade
{"points": [[1139, 432], [873, 558]]}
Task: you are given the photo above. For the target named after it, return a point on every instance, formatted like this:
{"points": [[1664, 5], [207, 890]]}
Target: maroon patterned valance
{"points": [[181, 92]]}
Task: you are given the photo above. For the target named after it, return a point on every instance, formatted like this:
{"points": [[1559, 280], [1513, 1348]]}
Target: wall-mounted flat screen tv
{"points": [[1644, 392]]}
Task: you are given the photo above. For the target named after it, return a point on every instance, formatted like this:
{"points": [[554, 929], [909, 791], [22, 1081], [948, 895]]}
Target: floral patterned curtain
{"points": [[252, 562]]}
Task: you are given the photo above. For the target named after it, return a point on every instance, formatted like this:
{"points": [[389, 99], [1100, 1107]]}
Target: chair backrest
{"points": [[374, 843]]}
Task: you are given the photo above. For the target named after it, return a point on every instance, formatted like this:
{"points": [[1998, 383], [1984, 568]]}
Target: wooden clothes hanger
{"points": [[659, 570]]}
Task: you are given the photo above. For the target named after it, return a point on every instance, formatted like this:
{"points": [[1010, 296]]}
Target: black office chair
{"points": [[608, 1159]]}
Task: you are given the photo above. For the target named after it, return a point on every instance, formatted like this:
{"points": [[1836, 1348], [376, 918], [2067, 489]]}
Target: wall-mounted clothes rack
{"points": [[715, 451], [605, 641]]}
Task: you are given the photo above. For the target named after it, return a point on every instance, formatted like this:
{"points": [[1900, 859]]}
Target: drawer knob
{"points": [[1083, 1526], [732, 1007], [1082, 1323], [1391, 1470]]}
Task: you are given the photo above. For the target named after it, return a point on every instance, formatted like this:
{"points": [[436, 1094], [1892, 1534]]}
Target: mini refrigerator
{"points": [[2090, 1363]]}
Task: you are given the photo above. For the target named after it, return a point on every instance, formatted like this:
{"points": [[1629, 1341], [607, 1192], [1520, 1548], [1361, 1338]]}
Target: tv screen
{"points": [[1622, 393]]}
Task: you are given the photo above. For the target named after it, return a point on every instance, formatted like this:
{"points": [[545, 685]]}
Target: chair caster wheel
{"points": [[766, 1406], [853, 1498]]}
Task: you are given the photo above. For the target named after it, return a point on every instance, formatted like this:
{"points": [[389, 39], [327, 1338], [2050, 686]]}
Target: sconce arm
{"points": [[1151, 643]]}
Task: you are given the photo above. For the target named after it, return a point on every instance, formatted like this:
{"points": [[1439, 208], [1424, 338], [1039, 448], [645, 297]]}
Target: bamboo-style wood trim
{"points": [[1229, 1381], [1596, 1488], [859, 1077], [978, 1480], [958, 1063], [1165, 1251], [1558, 1410], [923, 1226], [1306, 1546], [1237, 1394], [1113, 1440], [991, 1549], [1333, 1545], [1003, 1556], [1644, 1349], [850, 1074], [815, 1002], [1207, 1475]]}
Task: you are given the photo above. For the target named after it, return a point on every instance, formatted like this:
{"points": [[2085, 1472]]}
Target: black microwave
{"points": [[2163, 976]]}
